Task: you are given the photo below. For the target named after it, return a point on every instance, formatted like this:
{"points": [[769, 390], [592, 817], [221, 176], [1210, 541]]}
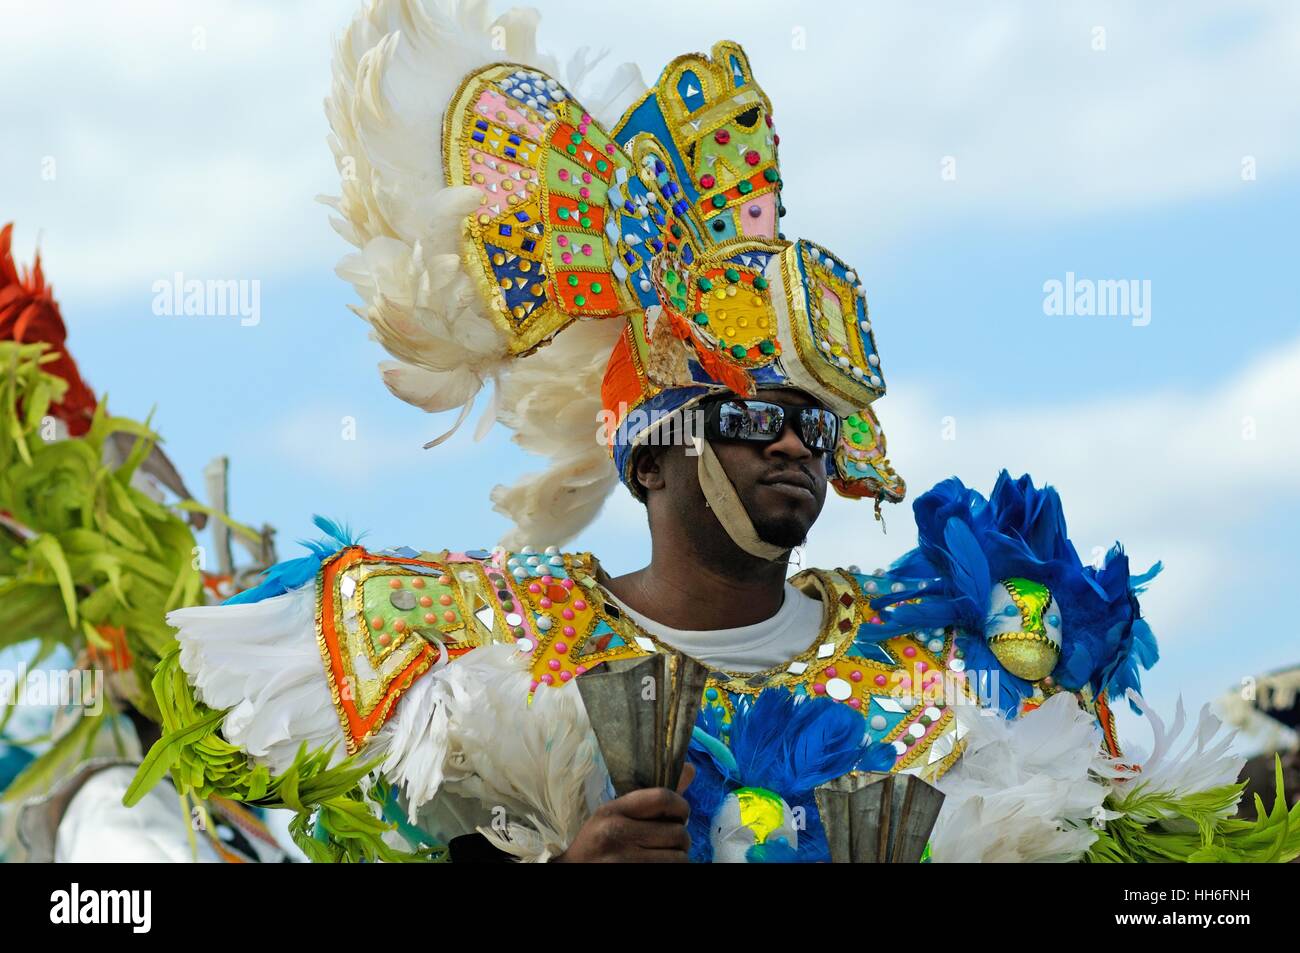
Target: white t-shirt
{"points": [[747, 648]]}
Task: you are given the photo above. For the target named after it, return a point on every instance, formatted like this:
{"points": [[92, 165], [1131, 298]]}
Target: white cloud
{"points": [[207, 160], [182, 139]]}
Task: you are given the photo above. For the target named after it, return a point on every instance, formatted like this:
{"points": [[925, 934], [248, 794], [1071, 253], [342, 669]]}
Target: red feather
{"points": [[29, 314]]}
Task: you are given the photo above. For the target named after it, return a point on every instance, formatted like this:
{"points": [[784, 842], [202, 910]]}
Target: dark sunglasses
{"points": [[762, 421]]}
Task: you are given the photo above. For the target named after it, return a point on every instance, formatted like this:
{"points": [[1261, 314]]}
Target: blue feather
{"points": [[294, 573], [784, 743], [1020, 531]]}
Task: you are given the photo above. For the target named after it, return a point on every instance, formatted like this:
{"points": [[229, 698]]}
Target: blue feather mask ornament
{"points": [[1003, 572], [752, 796]]}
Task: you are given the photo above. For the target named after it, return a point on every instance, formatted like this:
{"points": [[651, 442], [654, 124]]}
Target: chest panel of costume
{"points": [[384, 619]]}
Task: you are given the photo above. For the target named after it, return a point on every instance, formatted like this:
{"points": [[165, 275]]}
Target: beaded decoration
{"points": [[385, 619], [675, 233]]}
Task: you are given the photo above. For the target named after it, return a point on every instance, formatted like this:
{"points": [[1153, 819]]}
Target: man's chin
{"points": [[784, 533]]}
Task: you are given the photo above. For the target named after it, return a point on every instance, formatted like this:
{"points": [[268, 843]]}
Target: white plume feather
{"points": [[394, 73], [1022, 791], [1176, 766]]}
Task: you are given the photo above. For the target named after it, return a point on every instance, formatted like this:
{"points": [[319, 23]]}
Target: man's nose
{"points": [[789, 444]]}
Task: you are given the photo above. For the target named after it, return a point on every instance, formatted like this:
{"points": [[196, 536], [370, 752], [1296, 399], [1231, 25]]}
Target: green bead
{"points": [[670, 277], [760, 283], [767, 347], [739, 350], [857, 437], [576, 138], [596, 287], [704, 284], [585, 222], [573, 279], [732, 275], [563, 212], [719, 201], [583, 207], [745, 187], [579, 300], [571, 150], [676, 230], [701, 317], [853, 420], [769, 174], [602, 165]]}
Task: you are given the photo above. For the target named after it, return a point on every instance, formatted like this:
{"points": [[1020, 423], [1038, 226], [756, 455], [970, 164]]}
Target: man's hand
{"points": [[646, 826]]}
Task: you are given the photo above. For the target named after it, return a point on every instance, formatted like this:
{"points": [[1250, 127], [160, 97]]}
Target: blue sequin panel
{"points": [[519, 291]]}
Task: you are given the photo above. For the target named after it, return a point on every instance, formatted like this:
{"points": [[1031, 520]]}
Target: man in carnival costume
{"points": [[614, 255]]}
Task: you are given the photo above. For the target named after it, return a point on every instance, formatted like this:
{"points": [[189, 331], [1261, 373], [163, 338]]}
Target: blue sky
{"points": [[189, 137]]}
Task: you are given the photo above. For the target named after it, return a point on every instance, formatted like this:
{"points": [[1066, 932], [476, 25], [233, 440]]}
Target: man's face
{"points": [[782, 484]]}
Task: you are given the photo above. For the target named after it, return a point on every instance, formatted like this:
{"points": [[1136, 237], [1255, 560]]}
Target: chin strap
{"points": [[725, 503]]}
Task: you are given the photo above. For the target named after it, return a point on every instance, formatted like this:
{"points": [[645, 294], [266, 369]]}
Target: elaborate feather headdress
{"points": [[592, 253]]}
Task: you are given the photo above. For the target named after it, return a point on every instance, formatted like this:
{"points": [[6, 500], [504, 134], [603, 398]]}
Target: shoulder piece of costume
{"points": [[597, 254], [381, 620], [1031, 618]]}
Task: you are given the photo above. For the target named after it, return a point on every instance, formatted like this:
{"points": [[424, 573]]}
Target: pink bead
{"points": [[586, 178], [609, 149], [586, 117], [905, 680], [830, 671], [562, 240], [855, 703], [544, 602], [569, 630], [553, 664], [566, 675], [548, 679], [579, 604], [547, 580], [819, 688], [580, 670], [567, 613], [910, 651], [566, 583], [856, 676], [534, 587], [880, 680], [585, 192], [586, 249], [566, 258], [532, 686], [583, 128], [923, 666], [564, 175], [561, 646]]}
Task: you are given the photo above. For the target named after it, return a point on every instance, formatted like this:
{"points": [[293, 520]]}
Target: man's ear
{"points": [[647, 468]]}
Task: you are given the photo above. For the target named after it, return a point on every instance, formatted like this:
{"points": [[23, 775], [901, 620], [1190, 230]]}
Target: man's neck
{"points": [[701, 593]]}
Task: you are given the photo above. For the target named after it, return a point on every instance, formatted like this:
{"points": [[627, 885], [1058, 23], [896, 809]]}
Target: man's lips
{"points": [[791, 480]]}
